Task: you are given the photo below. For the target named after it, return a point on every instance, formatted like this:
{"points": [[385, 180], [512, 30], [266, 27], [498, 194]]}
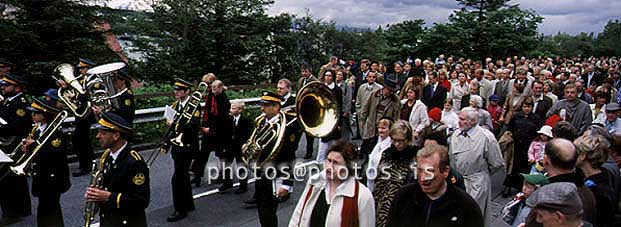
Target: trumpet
{"points": [[24, 161], [174, 134]]}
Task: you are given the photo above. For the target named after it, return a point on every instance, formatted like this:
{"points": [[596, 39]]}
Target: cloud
{"points": [[570, 16]]}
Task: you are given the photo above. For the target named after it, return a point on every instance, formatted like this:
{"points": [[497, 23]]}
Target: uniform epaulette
{"points": [[136, 156], [103, 158], [259, 119]]}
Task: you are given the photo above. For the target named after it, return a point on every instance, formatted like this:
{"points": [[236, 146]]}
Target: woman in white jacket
{"points": [[416, 112], [333, 197]]}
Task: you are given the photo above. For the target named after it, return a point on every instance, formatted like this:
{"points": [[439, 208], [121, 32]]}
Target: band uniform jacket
{"points": [[14, 193], [127, 106], [190, 130], [19, 121], [285, 155], [50, 171], [216, 117], [127, 178]]}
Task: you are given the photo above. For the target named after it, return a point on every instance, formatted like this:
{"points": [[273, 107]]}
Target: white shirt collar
{"points": [[274, 119], [14, 96], [285, 98], [540, 98], [42, 127], [185, 101], [116, 153], [236, 118], [331, 85]]}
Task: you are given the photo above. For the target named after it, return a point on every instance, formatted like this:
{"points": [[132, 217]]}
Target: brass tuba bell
{"points": [[72, 95], [315, 107]]}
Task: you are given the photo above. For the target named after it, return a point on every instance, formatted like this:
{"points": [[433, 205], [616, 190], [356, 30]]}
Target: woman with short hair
{"points": [[394, 169]]}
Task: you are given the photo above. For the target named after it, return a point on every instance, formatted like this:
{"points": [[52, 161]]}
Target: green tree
{"points": [[228, 38], [494, 28], [403, 38], [609, 41], [38, 35]]}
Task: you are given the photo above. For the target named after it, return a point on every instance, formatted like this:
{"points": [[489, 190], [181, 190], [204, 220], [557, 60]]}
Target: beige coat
{"points": [[369, 114]]}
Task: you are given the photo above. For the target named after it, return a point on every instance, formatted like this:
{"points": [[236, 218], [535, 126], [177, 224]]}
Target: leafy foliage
{"points": [[38, 35]]}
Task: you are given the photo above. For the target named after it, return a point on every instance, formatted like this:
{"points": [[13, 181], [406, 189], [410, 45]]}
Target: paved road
{"points": [[212, 209]]}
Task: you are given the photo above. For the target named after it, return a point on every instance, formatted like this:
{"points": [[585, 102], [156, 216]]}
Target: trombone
{"points": [[26, 158], [174, 134]]}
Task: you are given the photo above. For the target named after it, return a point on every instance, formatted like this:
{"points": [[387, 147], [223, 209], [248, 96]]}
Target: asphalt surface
{"points": [[212, 208]]}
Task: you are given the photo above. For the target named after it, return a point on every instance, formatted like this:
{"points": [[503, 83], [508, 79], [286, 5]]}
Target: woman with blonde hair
{"points": [[394, 169]]}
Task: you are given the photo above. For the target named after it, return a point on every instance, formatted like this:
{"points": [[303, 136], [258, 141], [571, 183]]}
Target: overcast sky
{"points": [[570, 16]]}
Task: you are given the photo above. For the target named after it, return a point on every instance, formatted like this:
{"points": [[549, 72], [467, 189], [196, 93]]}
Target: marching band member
{"points": [[14, 197], [81, 138], [266, 199], [125, 191], [50, 171], [182, 155]]}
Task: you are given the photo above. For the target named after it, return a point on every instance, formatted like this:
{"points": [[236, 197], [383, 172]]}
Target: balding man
{"points": [[559, 161], [216, 134], [474, 153]]}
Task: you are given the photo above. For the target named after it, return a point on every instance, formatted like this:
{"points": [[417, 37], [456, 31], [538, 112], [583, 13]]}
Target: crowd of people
{"points": [[542, 120], [428, 135]]}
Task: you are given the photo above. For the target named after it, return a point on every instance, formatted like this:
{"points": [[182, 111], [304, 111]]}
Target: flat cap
{"points": [[561, 196]]}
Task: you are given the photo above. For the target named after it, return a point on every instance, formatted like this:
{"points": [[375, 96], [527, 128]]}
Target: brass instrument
{"points": [[91, 208], [94, 89], [24, 161], [74, 95], [100, 85], [18, 149], [317, 111], [174, 134]]}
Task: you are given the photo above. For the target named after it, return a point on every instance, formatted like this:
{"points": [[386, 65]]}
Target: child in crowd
{"points": [[536, 149], [495, 110], [515, 212]]}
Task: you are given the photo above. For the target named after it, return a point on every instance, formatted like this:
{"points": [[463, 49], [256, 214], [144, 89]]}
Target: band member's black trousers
{"points": [[49, 212], [81, 140], [266, 203], [181, 187], [14, 195]]}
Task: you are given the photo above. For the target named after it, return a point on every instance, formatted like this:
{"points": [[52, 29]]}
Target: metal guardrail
{"points": [[157, 113]]}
